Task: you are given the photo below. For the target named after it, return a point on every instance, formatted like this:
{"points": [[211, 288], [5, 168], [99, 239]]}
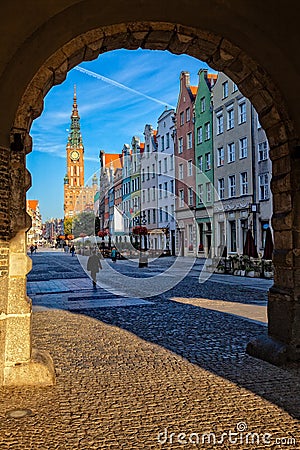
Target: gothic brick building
{"points": [[77, 196]]}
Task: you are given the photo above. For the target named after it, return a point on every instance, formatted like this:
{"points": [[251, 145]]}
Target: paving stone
{"points": [[126, 374]]}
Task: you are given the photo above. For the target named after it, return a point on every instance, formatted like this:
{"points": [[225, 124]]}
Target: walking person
{"points": [[93, 266], [114, 254], [72, 250]]}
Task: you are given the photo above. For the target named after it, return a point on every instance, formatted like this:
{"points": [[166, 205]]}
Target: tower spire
{"points": [[75, 138]]}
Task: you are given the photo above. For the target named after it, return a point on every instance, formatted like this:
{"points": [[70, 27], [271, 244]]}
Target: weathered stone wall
{"points": [[4, 246], [19, 364], [284, 297]]}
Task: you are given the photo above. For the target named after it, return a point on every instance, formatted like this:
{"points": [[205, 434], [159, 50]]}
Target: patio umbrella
{"points": [[268, 250], [249, 246], [224, 253]]}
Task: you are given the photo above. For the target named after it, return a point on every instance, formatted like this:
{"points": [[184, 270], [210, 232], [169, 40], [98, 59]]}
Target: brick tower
{"points": [[74, 179]]}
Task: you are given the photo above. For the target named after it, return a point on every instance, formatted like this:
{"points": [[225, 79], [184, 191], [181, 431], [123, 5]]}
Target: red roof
{"points": [[113, 159], [194, 90], [32, 204]]}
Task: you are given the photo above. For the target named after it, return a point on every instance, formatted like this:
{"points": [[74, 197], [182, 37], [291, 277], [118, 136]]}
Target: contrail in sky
{"points": [[121, 86]]}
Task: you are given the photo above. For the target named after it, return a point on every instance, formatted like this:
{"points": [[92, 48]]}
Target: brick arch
{"points": [[220, 54], [255, 83]]}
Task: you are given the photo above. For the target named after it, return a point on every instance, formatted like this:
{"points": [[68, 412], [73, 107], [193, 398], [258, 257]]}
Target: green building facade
{"points": [[204, 158]]}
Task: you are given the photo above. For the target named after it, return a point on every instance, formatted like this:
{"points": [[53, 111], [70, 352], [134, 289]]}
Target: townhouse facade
{"points": [[35, 232], [149, 177], [126, 188], [166, 181], [53, 228], [204, 157], [236, 142], [185, 181], [109, 163], [199, 182]]}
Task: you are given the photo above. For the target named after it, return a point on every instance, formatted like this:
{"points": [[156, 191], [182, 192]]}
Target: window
{"points": [[181, 198], [166, 214], [143, 195], [207, 161], [220, 124], [190, 168], [160, 214], [199, 135], [165, 165], [263, 186], [243, 144], [191, 196], [225, 89], [230, 119], [143, 174], [191, 237], [262, 151], [148, 214], [162, 143], [232, 236], [231, 185], [180, 145], [188, 114], [244, 183], [171, 162], [160, 190], [148, 173], [154, 215], [200, 163], [180, 171], [235, 88], [153, 193], [220, 156], [166, 188], [172, 213], [200, 193], [172, 186], [182, 118], [148, 194], [167, 140], [207, 131], [159, 169], [202, 104], [242, 112], [189, 140], [231, 152], [221, 188], [208, 192]]}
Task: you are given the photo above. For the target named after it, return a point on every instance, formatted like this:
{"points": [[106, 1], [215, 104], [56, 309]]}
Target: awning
{"points": [[156, 231]]}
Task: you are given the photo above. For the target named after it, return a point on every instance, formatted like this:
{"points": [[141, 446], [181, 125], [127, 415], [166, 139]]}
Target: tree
{"points": [[68, 225], [84, 223]]}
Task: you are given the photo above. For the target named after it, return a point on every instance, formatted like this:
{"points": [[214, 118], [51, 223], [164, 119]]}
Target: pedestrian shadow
{"points": [[215, 341]]}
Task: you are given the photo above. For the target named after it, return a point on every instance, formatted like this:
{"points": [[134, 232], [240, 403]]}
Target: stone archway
{"points": [[23, 366]]}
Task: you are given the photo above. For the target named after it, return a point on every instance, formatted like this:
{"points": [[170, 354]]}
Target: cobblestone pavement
{"points": [[135, 376]]}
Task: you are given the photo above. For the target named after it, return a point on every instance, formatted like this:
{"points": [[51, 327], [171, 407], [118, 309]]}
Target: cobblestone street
{"points": [[136, 371]]}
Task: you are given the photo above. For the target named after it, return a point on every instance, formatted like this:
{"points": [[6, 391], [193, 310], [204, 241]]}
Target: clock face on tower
{"points": [[74, 155]]}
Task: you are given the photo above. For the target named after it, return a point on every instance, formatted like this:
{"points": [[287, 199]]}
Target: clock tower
{"points": [[74, 179]]}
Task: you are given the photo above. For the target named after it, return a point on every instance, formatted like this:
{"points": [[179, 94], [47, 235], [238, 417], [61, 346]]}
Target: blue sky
{"points": [[109, 114]]}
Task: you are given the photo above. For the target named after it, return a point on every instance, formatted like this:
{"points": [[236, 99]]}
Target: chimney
{"points": [[185, 79]]}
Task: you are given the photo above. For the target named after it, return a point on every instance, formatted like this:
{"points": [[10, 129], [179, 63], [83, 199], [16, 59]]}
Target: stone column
{"points": [[283, 341], [20, 364]]}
